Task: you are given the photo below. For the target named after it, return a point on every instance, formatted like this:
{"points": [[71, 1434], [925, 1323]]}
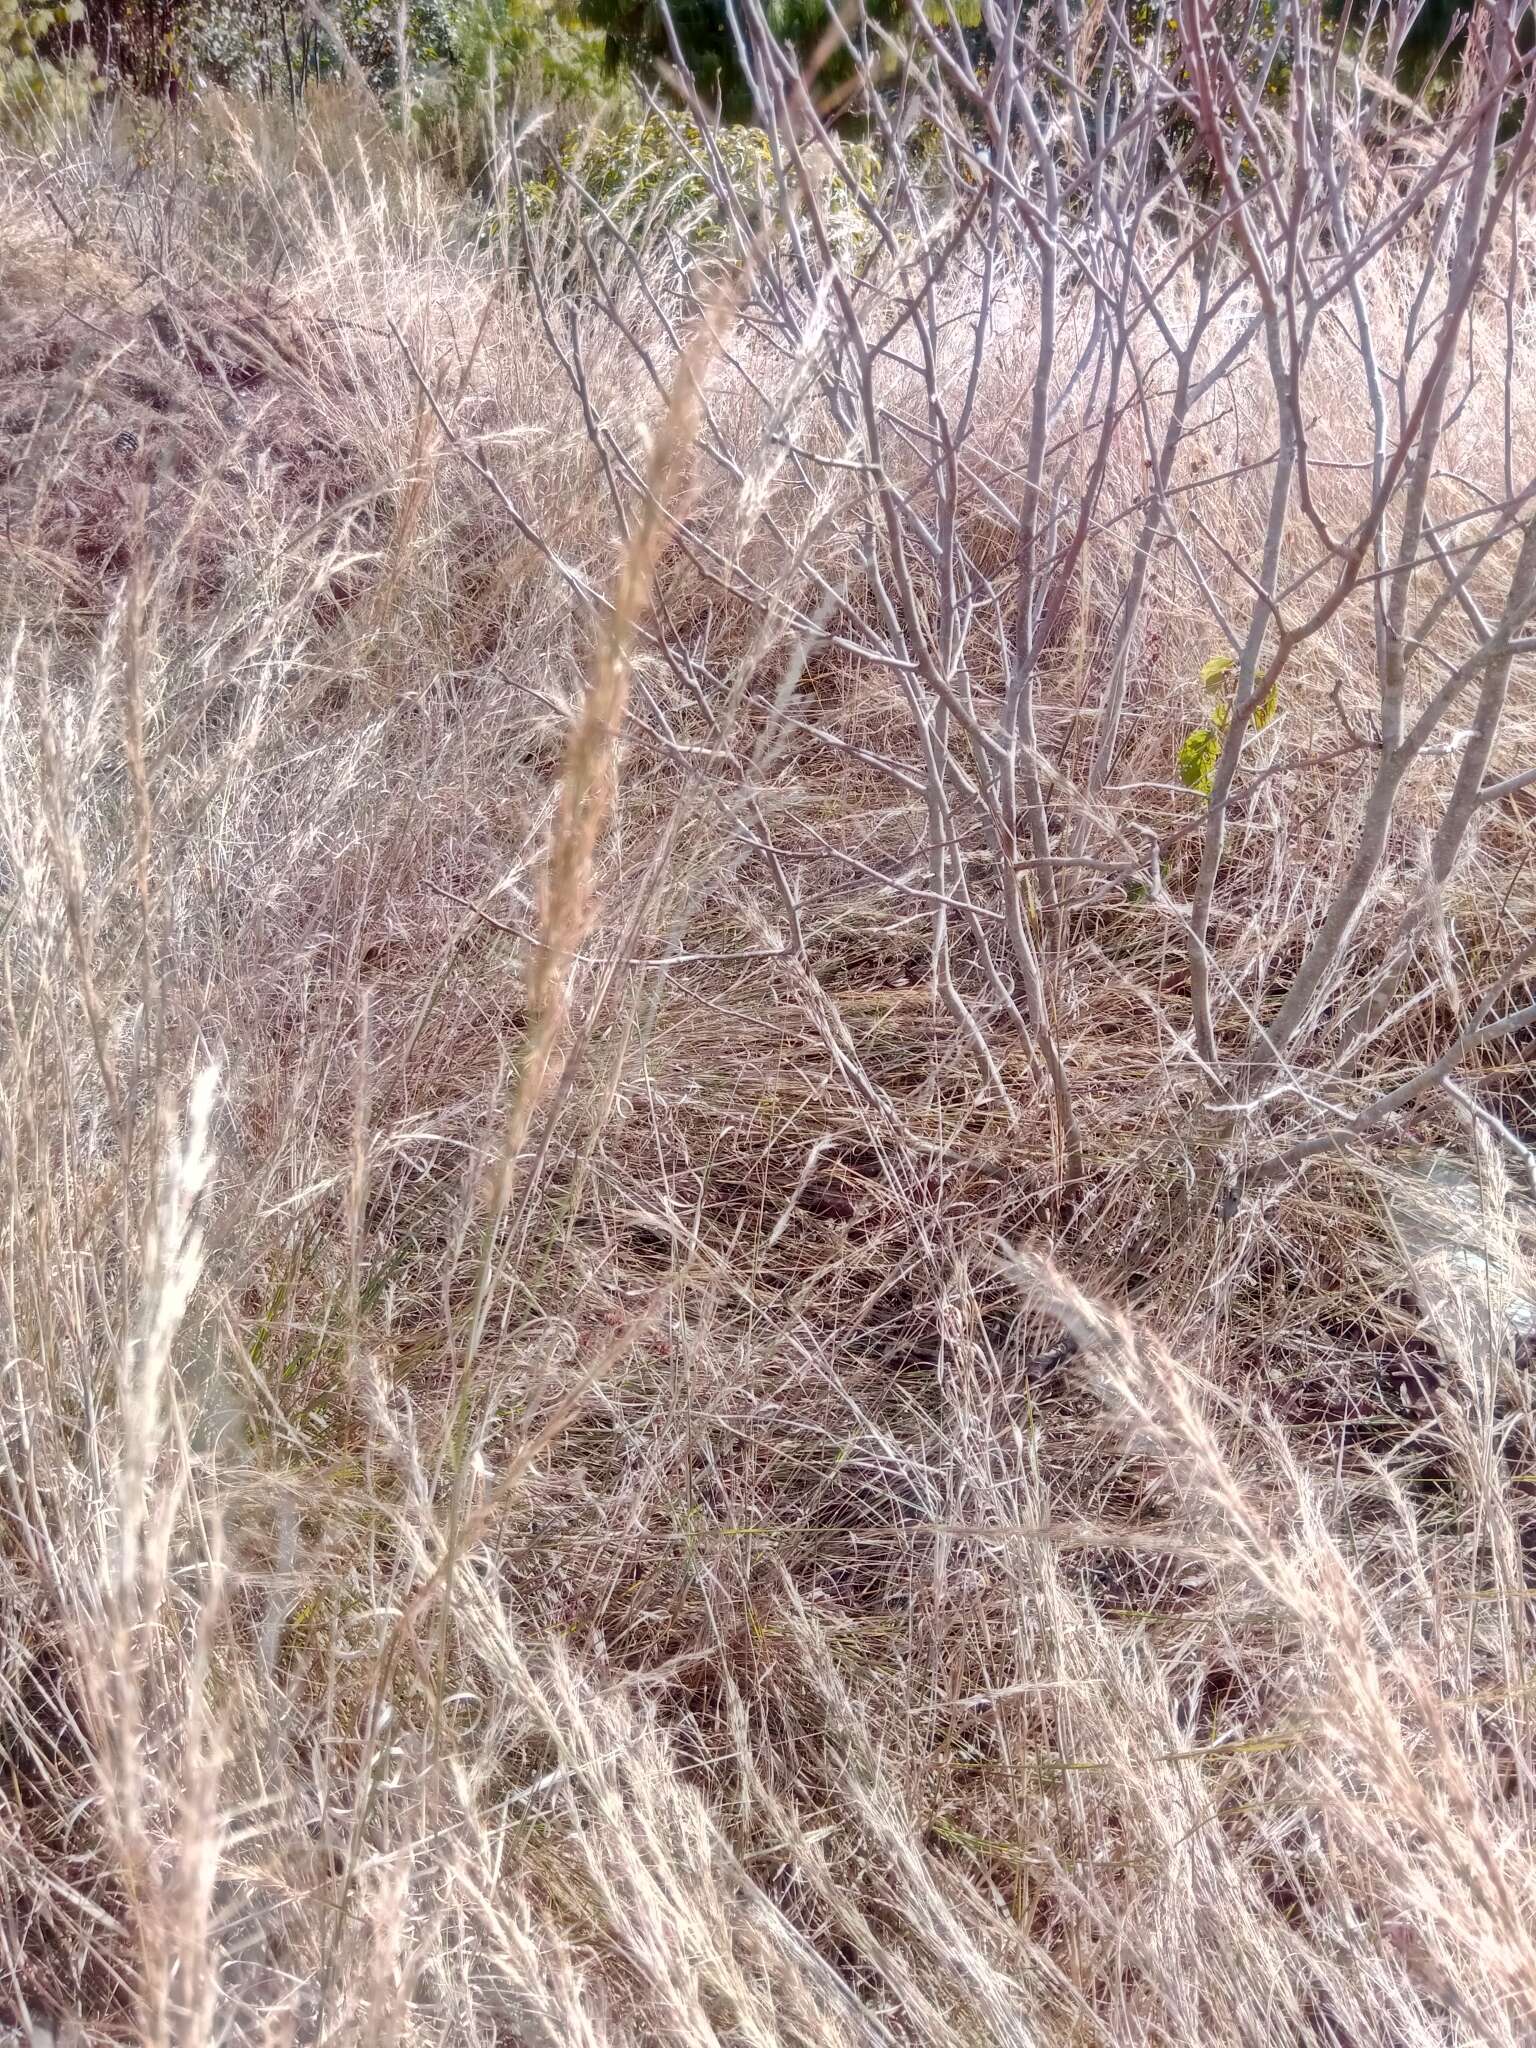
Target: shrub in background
{"points": [[37, 75], [497, 42], [635, 37], [648, 171], [143, 44]]}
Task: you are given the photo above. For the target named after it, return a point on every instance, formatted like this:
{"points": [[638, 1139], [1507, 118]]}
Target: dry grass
{"points": [[703, 1545]]}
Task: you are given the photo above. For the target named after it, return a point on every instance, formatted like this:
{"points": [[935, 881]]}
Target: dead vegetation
{"points": [[719, 1325]]}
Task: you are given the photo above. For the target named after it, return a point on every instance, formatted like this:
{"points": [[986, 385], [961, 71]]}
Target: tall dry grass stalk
{"points": [[844, 1355]]}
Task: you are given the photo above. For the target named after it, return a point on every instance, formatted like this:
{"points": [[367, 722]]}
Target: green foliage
{"points": [[1248, 34], [495, 42], [649, 171], [1201, 748], [372, 32], [37, 76], [1198, 757], [258, 51], [643, 169], [1214, 673], [634, 34], [275, 49], [1436, 31]]}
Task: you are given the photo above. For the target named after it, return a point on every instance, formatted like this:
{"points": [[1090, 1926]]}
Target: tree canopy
{"points": [[635, 33]]}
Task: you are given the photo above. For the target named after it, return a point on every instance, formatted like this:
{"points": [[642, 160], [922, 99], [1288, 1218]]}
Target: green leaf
{"points": [[1267, 709], [1215, 672], [1198, 757]]}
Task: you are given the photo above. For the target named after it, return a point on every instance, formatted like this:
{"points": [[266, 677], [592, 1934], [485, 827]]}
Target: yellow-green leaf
{"points": [[1197, 759]]}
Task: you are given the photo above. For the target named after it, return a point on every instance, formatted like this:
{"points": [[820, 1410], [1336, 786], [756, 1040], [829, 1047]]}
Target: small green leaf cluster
{"points": [[497, 42], [1201, 748]]}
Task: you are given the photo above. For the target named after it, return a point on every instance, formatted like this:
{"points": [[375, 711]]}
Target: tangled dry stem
{"points": [[719, 1327]]}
